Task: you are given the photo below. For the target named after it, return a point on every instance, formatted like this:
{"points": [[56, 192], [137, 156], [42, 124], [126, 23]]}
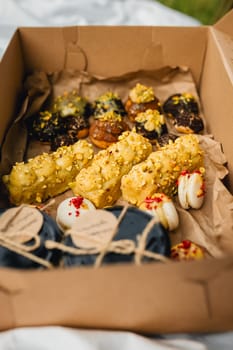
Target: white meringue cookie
{"points": [[171, 215], [191, 190], [71, 209], [162, 207], [182, 191]]}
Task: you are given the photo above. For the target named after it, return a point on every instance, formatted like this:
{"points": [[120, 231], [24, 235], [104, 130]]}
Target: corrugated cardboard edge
{"points": [[152, 300], [217, 73], [225, 23], [11, 81]]}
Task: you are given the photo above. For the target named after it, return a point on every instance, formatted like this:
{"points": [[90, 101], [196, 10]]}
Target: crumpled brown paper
{"points": [[212, 225]]}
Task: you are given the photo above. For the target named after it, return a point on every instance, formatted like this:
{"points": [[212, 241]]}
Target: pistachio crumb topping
{"points": [[111, 115], [47, 174], [152, 119], [160, 171], [141, 94], [185, 97], [108, 96], [69, 103]]}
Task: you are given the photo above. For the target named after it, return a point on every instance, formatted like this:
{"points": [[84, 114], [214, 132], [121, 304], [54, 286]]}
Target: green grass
{"points": [[206, 11]]}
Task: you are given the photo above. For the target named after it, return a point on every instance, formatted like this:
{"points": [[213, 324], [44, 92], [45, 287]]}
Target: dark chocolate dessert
{"points": [[49, 230], [130, 228], [184, 110], [108, 102]]}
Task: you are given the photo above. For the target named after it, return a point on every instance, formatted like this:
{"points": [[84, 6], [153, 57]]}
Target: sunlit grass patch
{"points": [[206, 11]]}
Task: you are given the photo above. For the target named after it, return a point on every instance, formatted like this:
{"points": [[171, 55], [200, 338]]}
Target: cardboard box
{"points": [[183, 297]]}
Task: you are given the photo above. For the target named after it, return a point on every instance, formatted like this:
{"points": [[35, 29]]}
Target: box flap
{"points": [[217, 84], [225, 24], [11, 283], [11, 72], [53, 49], [181, 297], [224, 43]]}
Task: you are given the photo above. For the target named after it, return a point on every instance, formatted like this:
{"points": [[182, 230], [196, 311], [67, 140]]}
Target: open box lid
{"points": [[223, 33], [218, 73], [225, 24]]}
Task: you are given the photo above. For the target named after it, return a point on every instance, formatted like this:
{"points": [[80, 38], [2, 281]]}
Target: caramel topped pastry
{"points": [[108, 102], [140, 99], [105, 130], [184, 110], [150, 124]]}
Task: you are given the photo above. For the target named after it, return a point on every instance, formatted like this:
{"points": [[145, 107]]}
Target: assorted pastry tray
{"points": [[119, 169]]}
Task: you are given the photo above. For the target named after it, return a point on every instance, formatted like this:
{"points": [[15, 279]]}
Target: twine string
{"points": [[100, 257], [94, 245], [7, 241], [142, 241]]}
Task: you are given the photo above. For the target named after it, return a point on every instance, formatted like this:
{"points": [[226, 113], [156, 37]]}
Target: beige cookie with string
{"points": [[21, 223]]}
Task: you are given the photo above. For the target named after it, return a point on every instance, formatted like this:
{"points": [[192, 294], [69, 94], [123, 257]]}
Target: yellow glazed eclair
{"points": [[48, 174], [100, 182], [160, 171]]}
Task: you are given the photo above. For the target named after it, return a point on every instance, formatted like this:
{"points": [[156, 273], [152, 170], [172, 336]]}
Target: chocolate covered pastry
{"points": [[184, 110], [189, 123], [76, 126], [71, 130], [71, 104], [165, 139], [68, 116], [108, 102], [44, 126], [140, 99], [62, 140], [150, 124]]}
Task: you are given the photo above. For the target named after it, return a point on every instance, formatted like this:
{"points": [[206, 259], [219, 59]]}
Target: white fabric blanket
{"points": [[59, 338], [14, 13]]}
